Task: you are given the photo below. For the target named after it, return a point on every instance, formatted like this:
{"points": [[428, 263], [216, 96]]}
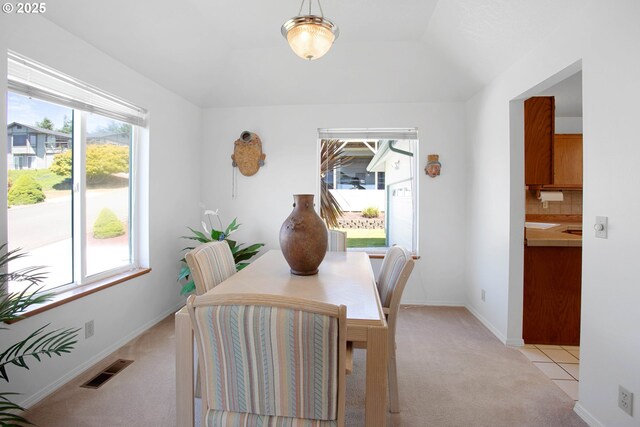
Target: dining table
{"points": [[343, 278]]}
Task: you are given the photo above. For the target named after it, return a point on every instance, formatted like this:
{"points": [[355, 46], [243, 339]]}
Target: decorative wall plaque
{"points": [[247, 153]]}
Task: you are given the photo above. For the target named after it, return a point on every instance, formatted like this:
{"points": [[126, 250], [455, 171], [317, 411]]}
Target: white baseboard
{"points": [[46, 391], [488, 325], [433, 303], [515, 342], [586, 416]]}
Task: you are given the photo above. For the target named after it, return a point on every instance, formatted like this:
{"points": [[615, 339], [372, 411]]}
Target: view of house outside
{"points": [[41, 200], [374, 187]]}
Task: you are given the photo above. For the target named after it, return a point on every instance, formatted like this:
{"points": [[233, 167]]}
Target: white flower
{"points": [[204, 227], [209, 213]]}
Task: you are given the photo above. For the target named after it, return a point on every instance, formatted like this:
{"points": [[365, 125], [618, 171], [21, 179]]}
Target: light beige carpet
{"points": [[452, 372]]}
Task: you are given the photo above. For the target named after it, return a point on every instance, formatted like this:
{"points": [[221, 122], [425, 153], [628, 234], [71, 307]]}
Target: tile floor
{"points": [[561, 363]]}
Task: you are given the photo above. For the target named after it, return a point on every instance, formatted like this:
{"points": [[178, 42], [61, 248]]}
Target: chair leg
{"points": [[394, 399]]}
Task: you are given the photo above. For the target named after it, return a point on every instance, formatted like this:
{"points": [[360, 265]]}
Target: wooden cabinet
{"points": [[567, 159], [539, 128], [550, 160], [552, 288]]}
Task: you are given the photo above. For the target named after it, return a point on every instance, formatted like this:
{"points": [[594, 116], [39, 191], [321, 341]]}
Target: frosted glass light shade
{"points": [[310, 37]]}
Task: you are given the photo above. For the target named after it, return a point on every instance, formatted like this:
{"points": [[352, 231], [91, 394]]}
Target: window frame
{"points": [[124, 112], [381, 133]]}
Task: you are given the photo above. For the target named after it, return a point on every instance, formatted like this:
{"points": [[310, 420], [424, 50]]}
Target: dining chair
{"points": [[391, 280], [270, 360], [210, 264], [337, 241]]}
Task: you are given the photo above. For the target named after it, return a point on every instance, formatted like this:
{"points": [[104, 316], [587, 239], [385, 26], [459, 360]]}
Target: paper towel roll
{"points": [[551, 196]]}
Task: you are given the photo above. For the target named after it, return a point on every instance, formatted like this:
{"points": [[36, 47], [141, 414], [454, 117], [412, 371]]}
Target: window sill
{"points": [[376, 253], [81, 291], [381, 256]]}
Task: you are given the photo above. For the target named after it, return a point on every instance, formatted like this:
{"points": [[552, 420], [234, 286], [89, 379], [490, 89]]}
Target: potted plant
{"points": [[40, 343], [240, 254]]}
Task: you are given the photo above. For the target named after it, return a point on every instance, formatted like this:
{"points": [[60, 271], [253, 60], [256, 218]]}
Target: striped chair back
{"points": [[210, 264], [396, 261], [337, 241], [269, 360]]}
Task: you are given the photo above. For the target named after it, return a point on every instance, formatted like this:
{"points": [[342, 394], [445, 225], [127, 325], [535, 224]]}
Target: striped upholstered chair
{"points": [[337, 241], [269, 360], [210, 264], [392, 278]]}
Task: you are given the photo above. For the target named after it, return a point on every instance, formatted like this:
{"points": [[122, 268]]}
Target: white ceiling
{"points": [[230, 53]]}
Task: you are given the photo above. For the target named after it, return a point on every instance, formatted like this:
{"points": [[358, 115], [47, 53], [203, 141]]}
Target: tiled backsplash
{"points": [[572, 204]]}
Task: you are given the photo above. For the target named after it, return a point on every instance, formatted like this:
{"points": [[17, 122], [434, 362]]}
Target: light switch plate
{"points": [[601, 227]]}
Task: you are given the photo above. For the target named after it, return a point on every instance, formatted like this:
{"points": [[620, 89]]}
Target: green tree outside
{"points": [[67, 126], [45, 124]]}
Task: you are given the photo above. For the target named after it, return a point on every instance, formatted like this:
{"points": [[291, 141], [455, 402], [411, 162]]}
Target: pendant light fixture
{"points": [[310, 36]]}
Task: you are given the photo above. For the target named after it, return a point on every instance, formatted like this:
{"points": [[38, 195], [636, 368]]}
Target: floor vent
{"points": [[107, 374]]}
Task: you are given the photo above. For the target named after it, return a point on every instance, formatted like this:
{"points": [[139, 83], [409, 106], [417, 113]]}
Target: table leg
{"points": [[184, 370], [376, 391]]}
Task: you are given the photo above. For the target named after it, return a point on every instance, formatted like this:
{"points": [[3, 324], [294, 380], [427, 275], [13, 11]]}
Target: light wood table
{"points": [[344, 278]]}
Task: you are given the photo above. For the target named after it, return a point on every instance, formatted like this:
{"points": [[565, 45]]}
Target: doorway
{"points": [[568, 122]]}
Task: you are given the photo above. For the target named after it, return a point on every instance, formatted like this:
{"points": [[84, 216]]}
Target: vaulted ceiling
{"points": [[230, 53]]}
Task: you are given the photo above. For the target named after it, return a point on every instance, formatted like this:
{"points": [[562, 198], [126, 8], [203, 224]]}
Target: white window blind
{"points": [[399, 133], [30, 78]]}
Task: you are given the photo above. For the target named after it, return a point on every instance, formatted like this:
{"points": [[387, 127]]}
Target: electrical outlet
{"points": [[625, 400], [483, 294], [88, 329]]}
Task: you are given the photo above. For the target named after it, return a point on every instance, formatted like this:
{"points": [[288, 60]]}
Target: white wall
{"points": [[289, 139], [170, 171], [568, 124], [604, 36]]}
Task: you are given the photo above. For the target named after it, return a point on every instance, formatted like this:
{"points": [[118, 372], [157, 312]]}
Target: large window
{"points": [[71, 173], [370, 176]]}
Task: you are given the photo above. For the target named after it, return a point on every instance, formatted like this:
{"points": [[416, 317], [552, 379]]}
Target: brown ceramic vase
{"points": [[303, 237]]}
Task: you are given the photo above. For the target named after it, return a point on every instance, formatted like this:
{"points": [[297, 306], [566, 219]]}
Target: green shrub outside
{"points": [[25, 191], [107, 225], [47, 179], [370, 212], [101, 160]]}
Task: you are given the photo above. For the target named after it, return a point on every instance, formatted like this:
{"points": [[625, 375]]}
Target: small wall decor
{"points": [[247, 153], [433, 165]]}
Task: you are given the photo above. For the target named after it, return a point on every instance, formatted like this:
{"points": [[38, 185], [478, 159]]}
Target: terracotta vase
{"points": [[303, 237]]}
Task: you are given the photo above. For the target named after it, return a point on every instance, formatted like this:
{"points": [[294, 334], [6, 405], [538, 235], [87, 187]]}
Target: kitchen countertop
{"points": [[554, 236]]}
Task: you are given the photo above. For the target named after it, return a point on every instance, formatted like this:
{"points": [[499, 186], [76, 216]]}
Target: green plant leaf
{"points": [[189, 287], [232, 244], [185, 271], [197, 239], [38, 343], [8, 417], [232, 227], [15, 303], [200, 236]]}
